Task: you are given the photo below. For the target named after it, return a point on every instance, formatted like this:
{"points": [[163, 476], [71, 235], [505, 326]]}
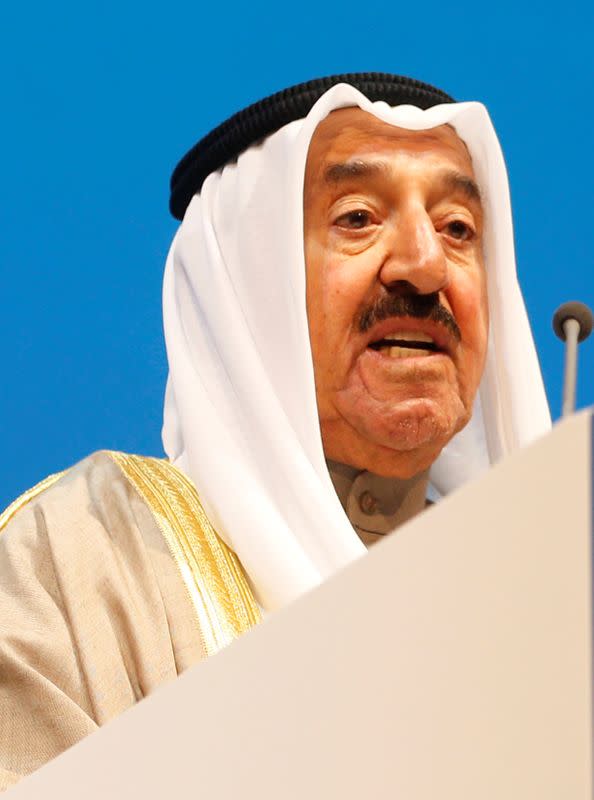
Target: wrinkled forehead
{"points": [[352, 132]]}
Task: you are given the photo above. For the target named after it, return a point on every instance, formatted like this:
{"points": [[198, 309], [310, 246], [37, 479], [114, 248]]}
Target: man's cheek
{"points": [[469, 309], [470, 312]]}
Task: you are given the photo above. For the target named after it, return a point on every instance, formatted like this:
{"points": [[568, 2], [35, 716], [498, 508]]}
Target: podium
{"points": [[453, 661]]}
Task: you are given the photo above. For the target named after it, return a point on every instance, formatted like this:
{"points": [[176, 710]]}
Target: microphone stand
{"points": [[572, 322]]}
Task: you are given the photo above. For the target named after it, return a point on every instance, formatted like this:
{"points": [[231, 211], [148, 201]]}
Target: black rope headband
{"points": [[232, 137]]}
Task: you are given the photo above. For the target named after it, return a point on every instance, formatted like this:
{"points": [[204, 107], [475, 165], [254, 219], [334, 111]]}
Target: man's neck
{"points": [[375, 505]]}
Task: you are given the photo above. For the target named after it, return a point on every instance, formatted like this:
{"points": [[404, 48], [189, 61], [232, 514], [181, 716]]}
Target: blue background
{"points": [[99, 101]]}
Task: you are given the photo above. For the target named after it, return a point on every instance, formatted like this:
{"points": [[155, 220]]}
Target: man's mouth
{"points": [[405, 344]]}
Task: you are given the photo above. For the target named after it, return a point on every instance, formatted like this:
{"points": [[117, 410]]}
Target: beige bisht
{"points": [[112, 582]]}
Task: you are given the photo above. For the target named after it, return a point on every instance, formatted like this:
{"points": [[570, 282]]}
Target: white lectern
{"points": [[453, 661]]}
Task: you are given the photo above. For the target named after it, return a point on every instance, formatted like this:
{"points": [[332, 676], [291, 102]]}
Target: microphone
{"points": [[572, 322]]}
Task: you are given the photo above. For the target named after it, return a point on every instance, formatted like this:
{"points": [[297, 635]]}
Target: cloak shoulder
{"points": [[112, 581]]}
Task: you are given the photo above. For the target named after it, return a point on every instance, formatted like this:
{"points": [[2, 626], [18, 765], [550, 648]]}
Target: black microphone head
{"points": [[573, 310]]}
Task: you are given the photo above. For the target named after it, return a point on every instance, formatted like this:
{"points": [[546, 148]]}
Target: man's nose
{"points": [[415, 254]]}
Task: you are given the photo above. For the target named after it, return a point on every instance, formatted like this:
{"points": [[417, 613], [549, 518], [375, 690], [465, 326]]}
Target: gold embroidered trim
{"points": [[27, 496], [211, 571]]}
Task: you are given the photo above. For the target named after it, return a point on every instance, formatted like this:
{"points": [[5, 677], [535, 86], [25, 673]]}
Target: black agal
{"points": [[232, 137]]}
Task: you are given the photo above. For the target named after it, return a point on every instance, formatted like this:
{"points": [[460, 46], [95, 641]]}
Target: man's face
{"points": [[396, 290]]}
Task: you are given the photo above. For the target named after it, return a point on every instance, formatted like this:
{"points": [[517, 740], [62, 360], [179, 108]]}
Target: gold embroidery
{"points": [[211, 571], [27, 496]]}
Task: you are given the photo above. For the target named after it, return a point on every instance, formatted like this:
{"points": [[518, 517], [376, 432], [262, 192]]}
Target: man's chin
{"points": [[412, 423], [401, 442]]}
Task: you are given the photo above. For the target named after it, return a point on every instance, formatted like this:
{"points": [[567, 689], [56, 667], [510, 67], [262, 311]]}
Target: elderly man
{"points": [[346, 247]]}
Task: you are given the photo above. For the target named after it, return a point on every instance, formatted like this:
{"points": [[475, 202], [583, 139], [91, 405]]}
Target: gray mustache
{"points": [[419, 306]]}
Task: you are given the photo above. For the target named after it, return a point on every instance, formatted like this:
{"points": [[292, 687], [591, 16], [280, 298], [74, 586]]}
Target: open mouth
{"points": [[404, 344]]}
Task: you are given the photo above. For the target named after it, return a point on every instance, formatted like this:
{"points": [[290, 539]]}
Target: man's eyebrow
{"points": [[336, 173], [343, 171], [459, 182]]}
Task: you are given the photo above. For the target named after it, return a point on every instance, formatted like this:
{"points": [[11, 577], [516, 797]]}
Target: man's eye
{"points": [[354, 220], [459, 230]]}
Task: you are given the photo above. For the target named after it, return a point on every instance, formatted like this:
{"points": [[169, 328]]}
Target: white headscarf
{"points": [[240, 408]]}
